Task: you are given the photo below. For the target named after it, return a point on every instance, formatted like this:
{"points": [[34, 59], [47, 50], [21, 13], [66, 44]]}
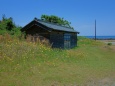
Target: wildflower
{"points": [[17, 64]]}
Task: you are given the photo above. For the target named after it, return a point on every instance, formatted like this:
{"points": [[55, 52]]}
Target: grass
{"points": [[33, 64]]}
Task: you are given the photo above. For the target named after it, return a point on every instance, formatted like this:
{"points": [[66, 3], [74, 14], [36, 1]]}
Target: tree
{"points": [[8, 26], [7, 23], [57, 20]]}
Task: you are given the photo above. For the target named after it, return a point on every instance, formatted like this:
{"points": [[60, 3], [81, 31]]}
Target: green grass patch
{"points": [[30, 64]]}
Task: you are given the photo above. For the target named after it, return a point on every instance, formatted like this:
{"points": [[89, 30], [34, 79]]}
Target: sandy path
{"points": [[108, 41]]}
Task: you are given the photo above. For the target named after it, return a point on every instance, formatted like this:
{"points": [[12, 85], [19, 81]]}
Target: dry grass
{"points": [[38, 40]]}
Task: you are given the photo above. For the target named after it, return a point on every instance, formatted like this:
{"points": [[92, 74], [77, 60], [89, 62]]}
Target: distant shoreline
{"points": [[101, 37]]}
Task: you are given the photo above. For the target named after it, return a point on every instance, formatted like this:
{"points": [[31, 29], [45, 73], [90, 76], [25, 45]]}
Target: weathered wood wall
{"points": [[35, 30], [57, 40], [73, 40]]}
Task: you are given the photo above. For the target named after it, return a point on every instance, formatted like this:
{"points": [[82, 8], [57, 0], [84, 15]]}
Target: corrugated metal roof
{"points": [[55, 26]]}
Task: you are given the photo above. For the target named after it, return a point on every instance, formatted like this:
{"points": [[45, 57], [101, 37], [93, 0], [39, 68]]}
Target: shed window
{"points": [[67, 38]]}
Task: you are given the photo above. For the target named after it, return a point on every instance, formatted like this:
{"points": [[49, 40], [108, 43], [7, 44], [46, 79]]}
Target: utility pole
{"points": [[95, 29]]}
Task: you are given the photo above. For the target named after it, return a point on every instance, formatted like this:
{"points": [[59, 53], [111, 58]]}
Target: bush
{"points": [[109, 44], [2, 32], [7, 26]]}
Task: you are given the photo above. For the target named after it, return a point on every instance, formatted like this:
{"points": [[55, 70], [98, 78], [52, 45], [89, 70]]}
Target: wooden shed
{"points": [[59, 36]]}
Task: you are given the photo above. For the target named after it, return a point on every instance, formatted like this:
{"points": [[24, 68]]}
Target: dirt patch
{"points": [[102, 82], [108, 41], [108, 47], [112, 47]]}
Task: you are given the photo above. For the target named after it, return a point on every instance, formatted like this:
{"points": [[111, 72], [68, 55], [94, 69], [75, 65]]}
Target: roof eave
{"points": [[29, 25]]}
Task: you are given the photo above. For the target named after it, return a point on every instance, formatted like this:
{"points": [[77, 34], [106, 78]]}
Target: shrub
{"points": [[109, 44]]}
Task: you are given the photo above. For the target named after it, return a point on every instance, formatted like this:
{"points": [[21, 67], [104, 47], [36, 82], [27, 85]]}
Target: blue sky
{"points": [[81, 13]]}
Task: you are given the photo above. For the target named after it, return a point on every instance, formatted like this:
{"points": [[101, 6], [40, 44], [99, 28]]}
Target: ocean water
{"points": [[101, 37]]}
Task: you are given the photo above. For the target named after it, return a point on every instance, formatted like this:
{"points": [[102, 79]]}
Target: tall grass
{"points": [[26, 63]]}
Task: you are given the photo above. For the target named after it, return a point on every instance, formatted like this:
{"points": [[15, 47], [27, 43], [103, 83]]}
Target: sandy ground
{"points": [[108, 41], [102, 82]]}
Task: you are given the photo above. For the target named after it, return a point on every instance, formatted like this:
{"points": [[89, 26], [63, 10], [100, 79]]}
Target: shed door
{"points": [[67, 42]]}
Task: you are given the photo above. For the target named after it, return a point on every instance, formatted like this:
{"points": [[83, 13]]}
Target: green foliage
{"points": [[7, 26], [109, 44], [6, 23], [2, 32], [56, 19]]}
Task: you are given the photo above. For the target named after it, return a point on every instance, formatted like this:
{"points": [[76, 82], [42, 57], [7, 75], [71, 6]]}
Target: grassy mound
{"points": [[25, 63]]}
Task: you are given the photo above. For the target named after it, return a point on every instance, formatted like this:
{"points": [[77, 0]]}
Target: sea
{"points": [[102, 37]]}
